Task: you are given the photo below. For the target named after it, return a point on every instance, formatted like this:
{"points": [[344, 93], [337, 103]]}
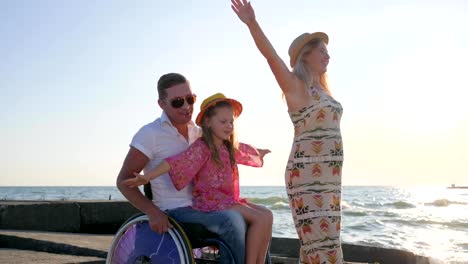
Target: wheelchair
{"points": [[187, 243], [136, 243]]}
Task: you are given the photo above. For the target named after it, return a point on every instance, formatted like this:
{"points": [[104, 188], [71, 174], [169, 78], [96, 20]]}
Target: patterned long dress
{"points": [[313, 178]]}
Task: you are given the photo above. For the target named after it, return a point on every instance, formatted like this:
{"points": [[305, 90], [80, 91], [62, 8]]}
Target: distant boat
{"points": [[453, 186]]}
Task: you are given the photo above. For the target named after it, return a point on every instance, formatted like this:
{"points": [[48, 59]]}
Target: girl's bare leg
{"points": [[267, 221], [256, 233]]}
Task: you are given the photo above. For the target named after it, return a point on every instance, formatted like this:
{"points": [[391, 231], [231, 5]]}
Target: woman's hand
{"points": [[243, 10], [263, 152], [135, 182]]}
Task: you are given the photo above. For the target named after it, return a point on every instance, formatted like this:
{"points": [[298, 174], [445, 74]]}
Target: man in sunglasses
{"points": [[168, 135]]}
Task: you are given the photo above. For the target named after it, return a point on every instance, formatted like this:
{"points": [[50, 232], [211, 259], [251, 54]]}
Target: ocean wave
{"points": [[423, 223], [279, 206], [464, 246], [268, 200], [354, 213], [400, 205], [386, 214], [445, 203], [397, 205], [360, 227]]}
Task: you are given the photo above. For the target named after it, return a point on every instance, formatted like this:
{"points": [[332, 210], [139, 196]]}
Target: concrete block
{"points": [[40, 215], [104, 217]]}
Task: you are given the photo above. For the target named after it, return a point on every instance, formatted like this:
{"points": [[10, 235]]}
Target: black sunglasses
{"points": [[178, 102]]}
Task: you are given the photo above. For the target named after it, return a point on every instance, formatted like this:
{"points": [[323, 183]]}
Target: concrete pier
{"points": [[83, 230], [97, 217]]}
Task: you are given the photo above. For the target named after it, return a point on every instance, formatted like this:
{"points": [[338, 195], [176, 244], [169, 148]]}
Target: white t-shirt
{"points": [[159, 140]]}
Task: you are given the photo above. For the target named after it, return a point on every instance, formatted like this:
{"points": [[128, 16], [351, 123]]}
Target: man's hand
{"points": [[159, 222]]}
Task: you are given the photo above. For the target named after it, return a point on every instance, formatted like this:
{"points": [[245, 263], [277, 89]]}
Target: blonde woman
{"points": [[313, 173]]}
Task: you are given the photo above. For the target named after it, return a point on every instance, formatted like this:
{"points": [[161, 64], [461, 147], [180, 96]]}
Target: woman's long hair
{"points": [[207, 136], [302, 72]]}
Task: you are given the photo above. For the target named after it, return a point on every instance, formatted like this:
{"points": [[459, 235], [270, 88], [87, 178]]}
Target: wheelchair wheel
{"points": [[135, 242]]}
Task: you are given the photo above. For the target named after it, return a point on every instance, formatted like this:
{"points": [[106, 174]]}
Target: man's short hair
{"points": [[167, 81]]}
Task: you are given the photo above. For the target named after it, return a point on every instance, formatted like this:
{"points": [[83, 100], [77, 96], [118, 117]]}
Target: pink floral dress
{"points": [[214, 187]]}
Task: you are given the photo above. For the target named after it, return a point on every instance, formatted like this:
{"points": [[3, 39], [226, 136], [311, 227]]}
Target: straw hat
{"points": [[213, 100], [301, 41]]}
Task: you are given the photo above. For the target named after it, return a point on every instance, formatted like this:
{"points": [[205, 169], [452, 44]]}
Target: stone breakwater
{"points": [[82, 218]]}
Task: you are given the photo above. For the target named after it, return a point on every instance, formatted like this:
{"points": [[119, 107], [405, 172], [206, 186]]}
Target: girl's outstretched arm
{"points": [[287, 81], [141, 179]]}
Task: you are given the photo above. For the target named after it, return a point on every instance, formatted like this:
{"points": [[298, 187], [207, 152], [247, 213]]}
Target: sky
{"points": [[78, 79]]}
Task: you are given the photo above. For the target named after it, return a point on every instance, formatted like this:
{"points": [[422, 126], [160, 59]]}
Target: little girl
{"points": [[211, 164]]}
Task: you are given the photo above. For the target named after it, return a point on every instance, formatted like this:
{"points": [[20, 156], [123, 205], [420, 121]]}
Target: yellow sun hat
{"points": [[213, 100], [299, 43]]}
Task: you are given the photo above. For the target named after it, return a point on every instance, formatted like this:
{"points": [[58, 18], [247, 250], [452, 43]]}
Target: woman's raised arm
{"points": [[287, 81]]}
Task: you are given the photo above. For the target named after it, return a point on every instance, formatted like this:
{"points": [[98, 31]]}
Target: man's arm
{"points": [[135, 162]]}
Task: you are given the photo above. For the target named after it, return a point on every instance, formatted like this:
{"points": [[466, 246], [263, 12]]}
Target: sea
{"points": [[428, 221]]}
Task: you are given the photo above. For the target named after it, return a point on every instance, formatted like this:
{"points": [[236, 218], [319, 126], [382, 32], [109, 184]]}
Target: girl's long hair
{"points": [[302, 72], [207, 136]]}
